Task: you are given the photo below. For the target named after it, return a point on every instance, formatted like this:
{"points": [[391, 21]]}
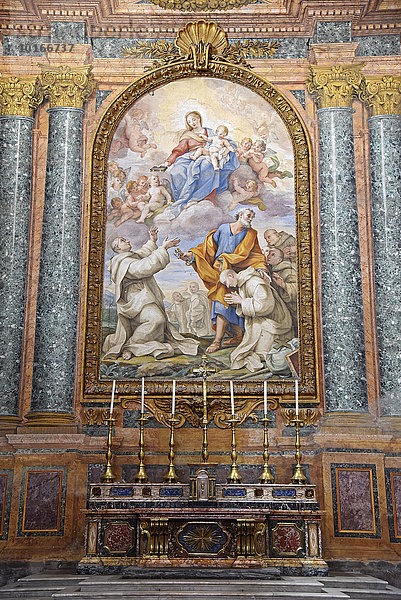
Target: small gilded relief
{"points": [[202, 539], [118, 538], [42, 502], [355, 501], [286, 539]]}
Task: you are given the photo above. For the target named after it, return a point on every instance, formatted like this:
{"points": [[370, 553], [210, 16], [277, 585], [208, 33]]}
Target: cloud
{"points": [[194, 222]]}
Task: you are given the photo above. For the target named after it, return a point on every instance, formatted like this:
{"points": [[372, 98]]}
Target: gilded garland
{"points": [[201, 65]]}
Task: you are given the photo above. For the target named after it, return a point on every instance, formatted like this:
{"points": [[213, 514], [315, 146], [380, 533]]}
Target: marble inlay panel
{"points": [[6, 487], [15, 193], [385, 166], [24, 45], [342, 312], [58, 295], [377, 45], [329, 32], [300, 96], [355, 500], [69, 32], [101, 95], [42, 501], [393, 493]]}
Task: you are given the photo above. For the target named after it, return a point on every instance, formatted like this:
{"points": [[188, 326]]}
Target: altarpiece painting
{"points": [[201, 235]]}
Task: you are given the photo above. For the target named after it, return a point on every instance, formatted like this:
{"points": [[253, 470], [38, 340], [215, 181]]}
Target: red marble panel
{"points": [[3, 490], [356, 511], [287, 539], [118, 537], [396, 497], [42, 502]]}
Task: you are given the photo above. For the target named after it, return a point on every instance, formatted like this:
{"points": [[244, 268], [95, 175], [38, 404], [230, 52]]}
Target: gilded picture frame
{"points": [[250, 393]]}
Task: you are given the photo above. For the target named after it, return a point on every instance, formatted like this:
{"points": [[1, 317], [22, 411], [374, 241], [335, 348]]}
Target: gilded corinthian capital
{"points": [[20, 96], [382, 95], [66, 86], [334, 86]]}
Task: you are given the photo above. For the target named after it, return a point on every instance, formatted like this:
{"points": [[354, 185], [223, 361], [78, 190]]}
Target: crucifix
{"points": [[204, 370]]}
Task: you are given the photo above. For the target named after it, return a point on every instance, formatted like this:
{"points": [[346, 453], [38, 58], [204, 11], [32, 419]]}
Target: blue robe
{"points": [[193, 180], [226, 241]]}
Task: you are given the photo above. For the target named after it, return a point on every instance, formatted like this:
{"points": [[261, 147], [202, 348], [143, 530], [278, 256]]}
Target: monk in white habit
{"points": [[267, 319], [142, 326]]}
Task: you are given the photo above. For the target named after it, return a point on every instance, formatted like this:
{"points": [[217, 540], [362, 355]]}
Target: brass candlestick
{"points": [[108, 476], [204, 371], [141, 476], [266, 476], [171, 476], [234, 477], [298, 477]]}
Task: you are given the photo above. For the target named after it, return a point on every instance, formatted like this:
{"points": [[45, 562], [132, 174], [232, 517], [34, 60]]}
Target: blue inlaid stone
{"points": [[25, 45], [385, 172], [377, 45], [117, 491], [331, 32], [69, 32], [15, 194], [342, 309], [234, 493], [284, 493], [170, 492], [101, 95], [58, 297], [300, 96]]}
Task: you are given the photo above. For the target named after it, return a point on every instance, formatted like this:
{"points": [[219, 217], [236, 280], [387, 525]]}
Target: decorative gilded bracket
{"points": [[307, 415], [191, 409]]}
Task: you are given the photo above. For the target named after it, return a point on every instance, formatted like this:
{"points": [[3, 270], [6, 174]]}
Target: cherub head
{"points": [[143, 183], [113, 167], [154, 180], [251, 185], [131, 186], [271, 236], [246, 144], [222, 131], [259, 146], [120, 175], [116, 202]]}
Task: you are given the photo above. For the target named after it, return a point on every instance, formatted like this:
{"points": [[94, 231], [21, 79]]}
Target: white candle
{"points": [[173, 400], [265, 398], [296, 398], [113, 389], [143, 396], [232, 397]]}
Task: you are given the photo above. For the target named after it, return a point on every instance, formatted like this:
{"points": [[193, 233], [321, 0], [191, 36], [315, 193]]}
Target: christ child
{"points": [[258, 165], [242, 194], [157, 197], [218, 149]]}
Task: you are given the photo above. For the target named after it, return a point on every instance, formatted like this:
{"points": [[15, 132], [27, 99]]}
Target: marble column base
{"points": [[8, 424], [49, 419]]}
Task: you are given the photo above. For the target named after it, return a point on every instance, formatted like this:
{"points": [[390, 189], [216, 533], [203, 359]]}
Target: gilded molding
{"points": [[382, 95], [334, 86], [96, 387], [201, 5], [65, 86], [20, 96]]}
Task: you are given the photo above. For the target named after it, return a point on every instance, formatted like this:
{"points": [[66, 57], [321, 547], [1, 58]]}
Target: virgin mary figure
{"points": [[196, 180]]}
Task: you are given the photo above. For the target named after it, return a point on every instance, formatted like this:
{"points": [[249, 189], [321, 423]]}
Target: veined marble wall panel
{"points": [[6, 486], [393, 492]]}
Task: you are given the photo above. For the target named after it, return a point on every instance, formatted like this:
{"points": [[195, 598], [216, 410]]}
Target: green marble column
{"points": [[19, 98], [383, 97], [341, 279], [58, 294]]}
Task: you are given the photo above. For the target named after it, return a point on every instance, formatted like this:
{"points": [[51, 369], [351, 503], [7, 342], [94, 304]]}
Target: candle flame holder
{"points": [[171, 476], [266, 476], [298, 476], [108, 476], [141, 476], [234, 477]]}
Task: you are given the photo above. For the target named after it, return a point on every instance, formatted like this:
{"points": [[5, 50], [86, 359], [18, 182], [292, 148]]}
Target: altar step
{"points": [[114, 587]]}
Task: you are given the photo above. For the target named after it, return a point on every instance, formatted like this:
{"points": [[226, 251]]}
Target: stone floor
{"points": [[64, 586]]}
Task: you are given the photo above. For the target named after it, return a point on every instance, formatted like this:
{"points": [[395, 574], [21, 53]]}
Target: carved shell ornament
{"points": [[199, 41]]}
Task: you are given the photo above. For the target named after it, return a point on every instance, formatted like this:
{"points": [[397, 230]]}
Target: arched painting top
{"points": [[179, 153]]}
